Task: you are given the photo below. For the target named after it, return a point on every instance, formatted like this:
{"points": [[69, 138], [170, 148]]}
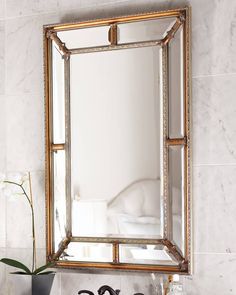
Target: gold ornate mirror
{"points": [[118, 142]]}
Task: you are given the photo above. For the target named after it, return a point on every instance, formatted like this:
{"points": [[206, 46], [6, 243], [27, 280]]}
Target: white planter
{"points": [[31, 285]]}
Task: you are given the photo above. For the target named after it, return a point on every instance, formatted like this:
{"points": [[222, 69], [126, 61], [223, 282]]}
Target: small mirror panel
{"points": [[145, 30], [88, 252], [176, 85], [59, 201], [176, 191], [58, 91], [89, 37], [146, 254]]}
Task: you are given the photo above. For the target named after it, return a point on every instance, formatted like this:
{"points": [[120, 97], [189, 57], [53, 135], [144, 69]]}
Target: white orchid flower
{"points": [[18, 178], [15, 177], [2, 176], [25, 177], [10, 183], [15, 185]]}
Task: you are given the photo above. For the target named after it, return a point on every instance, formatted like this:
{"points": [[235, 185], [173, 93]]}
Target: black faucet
{"points": [[105, 288], [86, 292]]}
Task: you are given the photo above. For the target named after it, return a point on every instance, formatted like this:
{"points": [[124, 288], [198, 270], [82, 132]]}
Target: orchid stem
{"points": [[30, 201], [33, 224]]}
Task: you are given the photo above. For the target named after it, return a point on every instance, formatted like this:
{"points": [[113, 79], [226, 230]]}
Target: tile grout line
{"points": [[60, 10], [5, 10], [214, 253], [31, 15], [5, 121], [23, 171], [213, 75], [22, 93], [214, 165], [5, 126]]}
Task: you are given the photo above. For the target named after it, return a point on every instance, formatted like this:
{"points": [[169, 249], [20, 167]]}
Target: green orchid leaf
{"points": [[42, 268], [45, 273], [20, 273], [16, 264]]}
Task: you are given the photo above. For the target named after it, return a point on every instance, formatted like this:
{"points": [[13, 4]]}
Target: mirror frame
{"points": [[183, 16]]}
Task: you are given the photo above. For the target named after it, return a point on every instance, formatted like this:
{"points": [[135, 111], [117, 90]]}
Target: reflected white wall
{"points": [[115, 120]]}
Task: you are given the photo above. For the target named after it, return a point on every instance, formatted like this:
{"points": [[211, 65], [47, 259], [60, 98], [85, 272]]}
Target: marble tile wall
{"points": [[214, 137]]}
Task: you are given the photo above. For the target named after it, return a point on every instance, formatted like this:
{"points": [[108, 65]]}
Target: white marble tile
{"points": [[137, 283], [20, 284], [29, 7], [2, 57], [213, 37], [74, 4], [18, 222], [2, 220], [18, 219], [56, 286], [2, 133], [84, 10], [38, 190], [214, 209], [25, 132], [213, 274], [2, 9], [214, 128], [24, 54], [71, 283]]}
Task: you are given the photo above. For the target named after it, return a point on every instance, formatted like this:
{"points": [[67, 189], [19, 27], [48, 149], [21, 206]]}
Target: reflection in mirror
{"points": [[85, 37], [176, 190], [176, 91], [58, 97], [59, 197], [146, 254], [145, 30], [115, 143], [95, 252]]}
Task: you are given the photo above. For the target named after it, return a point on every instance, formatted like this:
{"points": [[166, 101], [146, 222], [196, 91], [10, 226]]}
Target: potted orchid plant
{"points": [[36, 280]]}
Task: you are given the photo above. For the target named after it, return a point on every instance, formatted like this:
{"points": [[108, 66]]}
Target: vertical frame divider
{"points": [[187, 131], [48, 139], [68, 145], [167, 234], [116, 252]]}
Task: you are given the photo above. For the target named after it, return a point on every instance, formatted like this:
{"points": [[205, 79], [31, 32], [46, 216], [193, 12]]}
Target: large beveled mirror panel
{"points": [[118, 142]]}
